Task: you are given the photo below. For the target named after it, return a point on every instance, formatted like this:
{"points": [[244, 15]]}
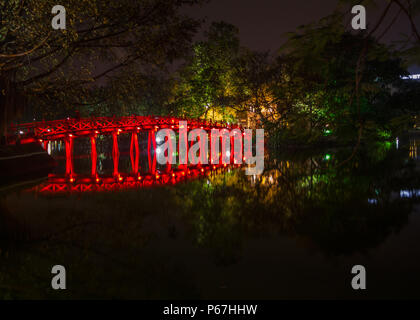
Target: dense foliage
{"points": [[326, 83], [110, 50]]}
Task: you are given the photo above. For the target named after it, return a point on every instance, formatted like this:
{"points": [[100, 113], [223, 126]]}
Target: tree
{"points": [[338, 93], [205, 83], [256, 79], [103, 39]]}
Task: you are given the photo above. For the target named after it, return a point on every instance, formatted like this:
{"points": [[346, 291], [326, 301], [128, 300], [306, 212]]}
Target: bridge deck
{"points": [[58, 129]]}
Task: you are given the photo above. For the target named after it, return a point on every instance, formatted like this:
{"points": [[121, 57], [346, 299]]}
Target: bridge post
{"points": [[170, 154], [69, 156], [202, 150], [209, 147], [134, 148], [115, 152], [221, 145], [183, 147], [94, 155], [241, 155], [151, 147], [232, 150], [188, 149]]}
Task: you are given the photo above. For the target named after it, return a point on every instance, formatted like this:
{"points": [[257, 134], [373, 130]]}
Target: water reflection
{"points": [[340, 210], [306, 215], [86, 183], [414, 145], [90, 166]]}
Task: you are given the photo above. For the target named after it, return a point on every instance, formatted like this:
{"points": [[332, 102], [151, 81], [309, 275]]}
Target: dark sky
{"points": [[263, 23]]}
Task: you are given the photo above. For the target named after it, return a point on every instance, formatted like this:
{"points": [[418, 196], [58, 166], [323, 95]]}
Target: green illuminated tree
{"points": [[337, 94], [205, 84]]}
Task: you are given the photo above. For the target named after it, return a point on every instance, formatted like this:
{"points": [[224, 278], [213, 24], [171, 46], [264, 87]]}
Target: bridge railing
{"points": [[57, 129]]}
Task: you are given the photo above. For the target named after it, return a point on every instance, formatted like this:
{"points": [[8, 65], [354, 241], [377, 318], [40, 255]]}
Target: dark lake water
{"points": [[294, 232]]}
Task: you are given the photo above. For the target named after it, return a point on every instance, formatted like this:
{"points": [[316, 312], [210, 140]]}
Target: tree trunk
{"points": [[11, 104]]}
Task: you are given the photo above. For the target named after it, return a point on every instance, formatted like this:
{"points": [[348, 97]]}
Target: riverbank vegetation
{"points": [[326, 84]]}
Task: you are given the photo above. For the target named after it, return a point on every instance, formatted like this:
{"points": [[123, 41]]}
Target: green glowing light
{"points": [[327, 157], [384, 134], [327, 132]]}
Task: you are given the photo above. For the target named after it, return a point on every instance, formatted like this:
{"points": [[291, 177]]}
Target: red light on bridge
{"points": [[71, 180], [120, 178], [173, 175], [157, 176], [97, 179], [70, 135], [139, 178]]}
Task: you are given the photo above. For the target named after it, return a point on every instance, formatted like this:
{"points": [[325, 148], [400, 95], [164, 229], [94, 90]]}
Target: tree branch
{"points": [[410, 18], [47, 73], [26, 52]]}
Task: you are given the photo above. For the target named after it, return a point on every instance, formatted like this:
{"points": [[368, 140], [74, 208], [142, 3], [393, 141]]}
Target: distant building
{"points": [[416, 78], [412, 77]]}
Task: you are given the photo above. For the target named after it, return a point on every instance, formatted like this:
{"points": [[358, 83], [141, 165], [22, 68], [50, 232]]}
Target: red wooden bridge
{"points": [[67, 130], [60, 129]]}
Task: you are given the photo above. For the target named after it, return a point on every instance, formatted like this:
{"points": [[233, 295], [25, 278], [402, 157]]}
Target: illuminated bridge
{"points": [[68, 130]]}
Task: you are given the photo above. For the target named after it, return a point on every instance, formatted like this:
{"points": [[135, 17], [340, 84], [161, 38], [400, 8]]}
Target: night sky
{"points": [[263, 23]]}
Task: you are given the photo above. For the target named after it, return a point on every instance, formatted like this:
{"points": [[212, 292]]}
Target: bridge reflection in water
{"points": [[108, 154], [83, 183]]}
